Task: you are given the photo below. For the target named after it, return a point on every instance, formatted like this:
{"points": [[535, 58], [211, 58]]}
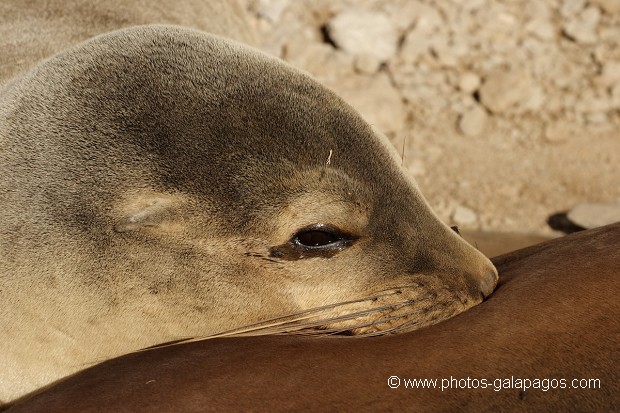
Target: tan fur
{"points": [[33, 30], [155, 177], [554, 316]]}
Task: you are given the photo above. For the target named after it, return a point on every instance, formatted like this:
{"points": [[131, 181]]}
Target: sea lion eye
{"points": [[316, 238]]}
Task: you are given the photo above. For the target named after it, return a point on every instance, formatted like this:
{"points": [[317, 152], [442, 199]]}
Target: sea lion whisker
{"points": [[290, 322], [292, 317], [284, 324], [307, 328], [377, 322]]}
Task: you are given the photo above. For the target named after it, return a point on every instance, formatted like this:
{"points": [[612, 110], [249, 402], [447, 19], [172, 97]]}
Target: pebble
{"points": [[271, 9], [543, 29], [409, 13], [583, 27], [571, 7], [464, 216], [511, 92], [473, 122], [591, 215], [427, 19], [364, 32]]}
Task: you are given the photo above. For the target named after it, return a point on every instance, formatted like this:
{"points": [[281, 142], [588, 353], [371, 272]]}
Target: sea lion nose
{"points": [[488, 282]]}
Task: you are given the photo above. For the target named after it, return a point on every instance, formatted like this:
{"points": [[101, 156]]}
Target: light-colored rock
{"points": [[543, 29], [415, 45], [543, 10], [572, 7], [511, 92], [473, 122], [364, 32], [464, 216], [469, 82], [448, 51], [583, 28], [270, 9], [592, 215], [608, 6], [412, 13], [427, 19], [367, 64]]}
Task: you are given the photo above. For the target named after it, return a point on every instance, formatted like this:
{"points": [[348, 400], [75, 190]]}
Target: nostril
{"points": [[488, 283]]}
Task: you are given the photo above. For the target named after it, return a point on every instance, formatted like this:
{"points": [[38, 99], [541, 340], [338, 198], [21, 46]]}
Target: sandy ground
{"points": [[506, 112]]}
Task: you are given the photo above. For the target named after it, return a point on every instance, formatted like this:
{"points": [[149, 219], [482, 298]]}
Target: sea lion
{"points": [[35, 30], [546, 340], [162, 183]]}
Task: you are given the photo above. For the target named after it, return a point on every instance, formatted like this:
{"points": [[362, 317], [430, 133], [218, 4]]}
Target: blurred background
{"points": [[507, 113]]}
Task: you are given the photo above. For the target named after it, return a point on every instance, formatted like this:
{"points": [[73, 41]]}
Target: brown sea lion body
{"points": [[546, 340], [160, 183]]}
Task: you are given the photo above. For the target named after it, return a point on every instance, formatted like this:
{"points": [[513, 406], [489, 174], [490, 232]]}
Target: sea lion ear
{"points": [[142, 211]]}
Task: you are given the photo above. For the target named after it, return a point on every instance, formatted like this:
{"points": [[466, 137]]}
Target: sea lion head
{"points": [[195, 185]]}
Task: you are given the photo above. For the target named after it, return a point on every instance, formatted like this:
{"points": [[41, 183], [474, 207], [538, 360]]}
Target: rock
{"points": [[270, 9], [583, 28], [415, 45], [469, 82], [473, 122], [543, 29], [608, 6], [412, 13], [427, 19], [571, 7], [592, 215], [447, 51], [360, 31], [464, 216], [511, 92], [367, 64]]}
